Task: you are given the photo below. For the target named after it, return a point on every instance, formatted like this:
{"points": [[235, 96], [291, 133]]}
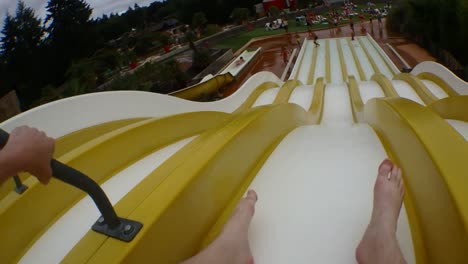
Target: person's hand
{"points": [[30, 150]]}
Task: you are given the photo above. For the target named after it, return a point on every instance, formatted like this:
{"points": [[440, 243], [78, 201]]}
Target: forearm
{"points": [[8, 168]]}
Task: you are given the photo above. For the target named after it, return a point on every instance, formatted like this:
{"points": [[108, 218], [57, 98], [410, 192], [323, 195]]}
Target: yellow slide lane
{"points": [[432, 156], [369, 57], [356, 60], [310, 76], [316, 107], [357, 105], [250, 101], [179, 201], [100, 159], [418, 86], [208, 87], [327, 61], [437, 80], [344, 70], [455, 108], [285, 91], [385, 84]]}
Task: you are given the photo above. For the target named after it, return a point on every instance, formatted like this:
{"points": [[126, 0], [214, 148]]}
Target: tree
{"points": [[240, 15], [199, 21], [274, 11], [437, 25], [20, 50], [70, 33]]}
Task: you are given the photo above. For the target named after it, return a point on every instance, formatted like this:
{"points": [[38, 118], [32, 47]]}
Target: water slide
{"points": [[309, 148]]}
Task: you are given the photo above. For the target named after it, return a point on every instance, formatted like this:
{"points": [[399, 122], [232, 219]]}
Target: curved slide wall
{"points": [[457, 84]]}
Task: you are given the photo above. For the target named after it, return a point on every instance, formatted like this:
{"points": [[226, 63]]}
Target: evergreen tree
{"points": [[70, 34], [20, 51]]}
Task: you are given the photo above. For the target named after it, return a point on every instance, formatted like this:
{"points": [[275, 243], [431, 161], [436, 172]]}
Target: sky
{"points": [[100, 7]]}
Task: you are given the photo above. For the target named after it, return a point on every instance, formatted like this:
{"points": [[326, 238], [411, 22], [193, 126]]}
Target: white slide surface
{"points": [[337, 106], [336, 72], [377, 58], [369, 90], [320, 67], [267, 97], [362, 57], [302, 95], [306, 63], [349, 60], [315, 209], [404, 90], [460, 126], [435, 89]]}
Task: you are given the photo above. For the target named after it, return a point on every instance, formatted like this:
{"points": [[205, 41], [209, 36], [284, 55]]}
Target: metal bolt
{"points": [[128, 229], [101, 220]]}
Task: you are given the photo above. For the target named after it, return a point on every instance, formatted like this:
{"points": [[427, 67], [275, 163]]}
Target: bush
{"points": [[143, 46], [274, 11], [240, 15], [201, 59]]}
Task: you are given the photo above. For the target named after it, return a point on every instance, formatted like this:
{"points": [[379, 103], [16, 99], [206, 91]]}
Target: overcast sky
{"points": [[99, 7]]}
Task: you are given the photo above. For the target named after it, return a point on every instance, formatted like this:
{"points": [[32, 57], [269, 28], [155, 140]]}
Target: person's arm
{"points": [[29, 150]]}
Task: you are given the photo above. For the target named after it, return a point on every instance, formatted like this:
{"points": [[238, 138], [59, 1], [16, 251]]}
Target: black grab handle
{"points": [[109, 224]]}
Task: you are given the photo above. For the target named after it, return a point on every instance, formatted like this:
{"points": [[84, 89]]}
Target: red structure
{"points": [[281, 4]]}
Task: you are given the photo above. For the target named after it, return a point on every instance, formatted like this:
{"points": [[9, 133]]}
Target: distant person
{"points": [[298, 39], [351, 23], [285, 25], [315, 41], [361, 20], [379, 19], [311, 34], [240, 61]]}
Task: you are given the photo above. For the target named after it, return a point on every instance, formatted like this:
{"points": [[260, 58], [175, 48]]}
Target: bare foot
{"points": [[232, 245], [379, 244]]}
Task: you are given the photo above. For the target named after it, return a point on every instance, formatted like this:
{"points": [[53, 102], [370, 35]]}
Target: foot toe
{"points": [[252, 195], [385, 168]]}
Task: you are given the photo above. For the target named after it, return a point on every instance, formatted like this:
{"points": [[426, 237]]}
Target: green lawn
{"points": [[240, 40]]}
